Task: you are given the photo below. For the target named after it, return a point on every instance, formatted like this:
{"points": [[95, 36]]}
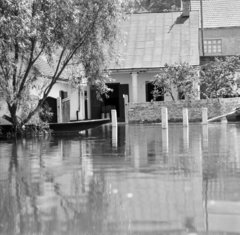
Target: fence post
{"points": [[59, 109], [164, 118], [204, 116], [185, 117]]}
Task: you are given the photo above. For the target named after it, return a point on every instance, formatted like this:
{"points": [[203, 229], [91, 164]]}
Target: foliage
{"points": [[157, 5], [71, 35], [180, 76], [220, 77]]}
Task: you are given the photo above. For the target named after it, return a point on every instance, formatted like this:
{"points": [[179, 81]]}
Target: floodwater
{"points": [[134, 179]]}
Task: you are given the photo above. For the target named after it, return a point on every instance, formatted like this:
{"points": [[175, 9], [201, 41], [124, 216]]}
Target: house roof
{"points": [[154, 39], [219, 13], [48, 70]]}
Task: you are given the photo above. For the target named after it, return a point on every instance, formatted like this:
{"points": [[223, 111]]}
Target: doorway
{"points": [[114, 100]]}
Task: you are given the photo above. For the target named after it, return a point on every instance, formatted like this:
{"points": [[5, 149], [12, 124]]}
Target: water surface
{"points": [[134, 179]]}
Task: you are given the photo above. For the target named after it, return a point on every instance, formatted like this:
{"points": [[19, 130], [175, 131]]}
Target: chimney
{"points": [[186, 7]]}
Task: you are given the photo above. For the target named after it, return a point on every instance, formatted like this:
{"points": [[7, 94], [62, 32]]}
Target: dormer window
{"points": [[213, 46]]}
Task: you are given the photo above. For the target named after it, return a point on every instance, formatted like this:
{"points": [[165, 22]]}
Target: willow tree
{"points": [[65, 33]]}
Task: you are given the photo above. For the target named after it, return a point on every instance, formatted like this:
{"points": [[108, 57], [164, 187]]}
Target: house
{"points": [[73, 101], [221, 27], [152, 40]]}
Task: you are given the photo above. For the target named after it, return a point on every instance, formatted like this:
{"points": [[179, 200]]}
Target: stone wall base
{"points": [[150, 112]]}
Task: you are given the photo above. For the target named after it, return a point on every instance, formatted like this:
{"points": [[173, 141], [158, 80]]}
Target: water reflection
{"points": [[134, 179]]}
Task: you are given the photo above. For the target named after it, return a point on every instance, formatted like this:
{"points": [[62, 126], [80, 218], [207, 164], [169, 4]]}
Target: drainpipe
{"points": [[202, 38]]}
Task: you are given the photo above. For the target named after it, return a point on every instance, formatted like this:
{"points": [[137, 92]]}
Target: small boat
{"points": [[76, 126], [58, 128]]}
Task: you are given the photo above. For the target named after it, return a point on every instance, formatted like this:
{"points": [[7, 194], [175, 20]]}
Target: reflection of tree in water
{"points": [[95, 215], [26, 209], [16, 217]]}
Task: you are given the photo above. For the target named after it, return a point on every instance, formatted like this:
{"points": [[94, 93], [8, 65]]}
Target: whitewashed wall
{"points": [[126, 78]]}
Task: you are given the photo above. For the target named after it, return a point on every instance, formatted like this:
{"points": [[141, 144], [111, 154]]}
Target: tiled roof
{"points": [[43, 67], [219, 13], [154, 39], [48, 70]]}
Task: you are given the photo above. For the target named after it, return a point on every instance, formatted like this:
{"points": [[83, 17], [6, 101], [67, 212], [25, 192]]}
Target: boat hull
{"points": [[75, 127]]}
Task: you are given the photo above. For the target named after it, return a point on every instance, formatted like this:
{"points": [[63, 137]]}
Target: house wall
{"points": [[151, 111], [72, 93], [3, 108], [143, 77], [76, 99], [230, 39]]}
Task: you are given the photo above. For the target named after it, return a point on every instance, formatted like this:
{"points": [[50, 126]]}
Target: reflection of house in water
{"points": [[221, 188]]}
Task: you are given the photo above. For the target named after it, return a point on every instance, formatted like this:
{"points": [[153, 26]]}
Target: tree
{"points": [[73, 35], [180, 76], [219, 78]]}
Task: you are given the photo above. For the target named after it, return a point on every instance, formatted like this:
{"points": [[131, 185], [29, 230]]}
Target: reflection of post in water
{"points": [[127, 142], [165, 142], [205, 136], [206, 203], [60, 148], [114, 136], [136, 153], [186, 137]]}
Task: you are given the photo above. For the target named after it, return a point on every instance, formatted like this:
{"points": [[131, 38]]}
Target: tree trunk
{"points": [[13, 112]]}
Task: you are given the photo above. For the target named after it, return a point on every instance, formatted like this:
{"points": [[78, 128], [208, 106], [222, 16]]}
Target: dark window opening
{"points": [[149, 93], [112, 101]]}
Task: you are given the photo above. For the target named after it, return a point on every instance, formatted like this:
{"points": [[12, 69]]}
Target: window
{"points": [[149, 94], [213, 46]]}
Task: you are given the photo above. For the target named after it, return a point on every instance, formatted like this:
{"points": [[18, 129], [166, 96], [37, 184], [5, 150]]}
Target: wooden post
{"points": [[59, 109], [185, 117], [125, 97], [204, 116], [164, 118], [114, 117], [224, 120]]}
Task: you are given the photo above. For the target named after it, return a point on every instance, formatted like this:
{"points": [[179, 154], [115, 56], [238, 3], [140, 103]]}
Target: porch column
{"points": [[134, 87], [82, 104]]}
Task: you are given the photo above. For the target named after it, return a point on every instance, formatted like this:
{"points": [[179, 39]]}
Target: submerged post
{"points": [[185, 117], [204, 116], [114, 117], [164, 118], [224, 120]]}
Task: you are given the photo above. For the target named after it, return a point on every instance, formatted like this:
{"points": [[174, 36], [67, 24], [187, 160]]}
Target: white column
{"points": [[164, 118], [59, 109], [134, 87], [82, 102], [185, 117]]}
